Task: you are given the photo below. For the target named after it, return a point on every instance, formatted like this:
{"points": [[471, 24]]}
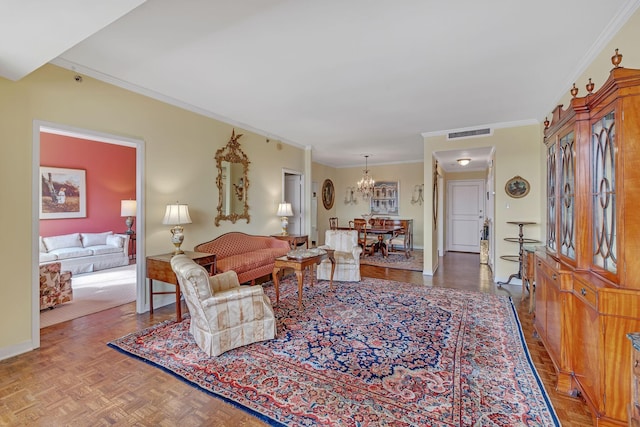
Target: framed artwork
{"points": [[63, 193], [328, 194], [385, 198], [517, 187]]}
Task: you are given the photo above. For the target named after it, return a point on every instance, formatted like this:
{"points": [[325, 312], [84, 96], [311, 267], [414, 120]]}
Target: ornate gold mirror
{"points": [[232, 182]]}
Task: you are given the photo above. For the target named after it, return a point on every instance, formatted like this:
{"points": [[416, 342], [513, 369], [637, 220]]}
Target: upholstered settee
{"points": [[85, 252], [249, 256], [55, 285]]}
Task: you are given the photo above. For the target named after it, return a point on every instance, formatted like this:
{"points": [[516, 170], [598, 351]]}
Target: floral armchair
{"points": [[55, 286], [224, 315]]}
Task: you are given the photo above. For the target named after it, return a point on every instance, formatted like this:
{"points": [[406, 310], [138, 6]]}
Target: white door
{"points": [[293, 195], [465, 215]]}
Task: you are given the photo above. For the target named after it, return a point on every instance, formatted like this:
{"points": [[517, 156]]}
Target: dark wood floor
{"points": [[74, 379]]}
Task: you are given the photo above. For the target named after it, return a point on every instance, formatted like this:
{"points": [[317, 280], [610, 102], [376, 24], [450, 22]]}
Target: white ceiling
{"points": [[345, 77]]}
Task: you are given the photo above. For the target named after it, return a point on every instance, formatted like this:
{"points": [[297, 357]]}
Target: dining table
{"points": [[380, 245]]}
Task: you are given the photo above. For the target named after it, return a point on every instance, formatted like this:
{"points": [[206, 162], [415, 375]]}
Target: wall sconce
{"points": [[350, 197], [417, 196]]}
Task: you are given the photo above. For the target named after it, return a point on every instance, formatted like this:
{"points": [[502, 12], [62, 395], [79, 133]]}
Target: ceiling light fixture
{"points": [[366, 183], [463, 162]]}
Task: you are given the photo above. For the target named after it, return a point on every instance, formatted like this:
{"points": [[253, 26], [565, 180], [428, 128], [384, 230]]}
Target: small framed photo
{"points": [[63, 193], [517, 187], [385, 198]]}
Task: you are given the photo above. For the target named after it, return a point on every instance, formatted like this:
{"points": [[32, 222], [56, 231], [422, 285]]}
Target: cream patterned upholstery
{"points": [[224, 315], [347, 255]]}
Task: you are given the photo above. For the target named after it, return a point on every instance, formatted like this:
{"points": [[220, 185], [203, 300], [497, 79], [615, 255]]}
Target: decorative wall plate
{"points": [[328, 194], [517, 187]]}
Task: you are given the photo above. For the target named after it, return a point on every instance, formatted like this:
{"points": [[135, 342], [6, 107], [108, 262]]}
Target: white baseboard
{"points": [[14, 350]]}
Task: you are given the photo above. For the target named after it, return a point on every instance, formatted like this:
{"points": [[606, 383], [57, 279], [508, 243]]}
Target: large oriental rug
{"points": [[373, 353]]}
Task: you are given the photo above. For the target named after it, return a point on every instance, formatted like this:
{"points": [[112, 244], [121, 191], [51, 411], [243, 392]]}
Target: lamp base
{"points": [[284, 221], [129, 224], [177, 237]]}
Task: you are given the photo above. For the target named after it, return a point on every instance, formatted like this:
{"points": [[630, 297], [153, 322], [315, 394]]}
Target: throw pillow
{"points": [[95, 239], [117, 241], [63, 241]]}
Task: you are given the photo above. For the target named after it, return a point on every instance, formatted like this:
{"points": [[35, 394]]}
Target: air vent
{"points": [[469, 133]]}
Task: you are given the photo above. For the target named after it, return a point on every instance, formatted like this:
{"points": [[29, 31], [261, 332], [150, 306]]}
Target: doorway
{"points": [[466, 215], [138, 145], [293, 192]]}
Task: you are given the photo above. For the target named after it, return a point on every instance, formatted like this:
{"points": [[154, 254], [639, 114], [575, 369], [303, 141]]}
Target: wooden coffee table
{"points": [[299, 266]]}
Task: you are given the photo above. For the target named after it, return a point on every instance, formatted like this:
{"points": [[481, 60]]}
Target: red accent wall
{"points": [[110, 174]]}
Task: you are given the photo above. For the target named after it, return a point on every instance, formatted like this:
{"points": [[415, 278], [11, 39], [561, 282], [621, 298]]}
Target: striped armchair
{"points": [[347, 256], [224, 315]]}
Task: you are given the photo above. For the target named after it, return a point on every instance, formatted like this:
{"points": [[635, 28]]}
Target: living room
{"points": [[178, 147]]}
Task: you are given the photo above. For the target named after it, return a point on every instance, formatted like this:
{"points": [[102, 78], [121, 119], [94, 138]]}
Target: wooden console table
{"points": [[159, 268]]}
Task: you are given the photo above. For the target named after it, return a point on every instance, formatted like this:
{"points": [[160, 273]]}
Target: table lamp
{"points": [[177, 215], [284, 210], [128, 209]]}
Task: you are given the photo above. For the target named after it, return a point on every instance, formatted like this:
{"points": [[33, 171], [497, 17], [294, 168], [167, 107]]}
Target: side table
{"points": [[159, 268], [132, 246], [294, 240], [299, 266]]}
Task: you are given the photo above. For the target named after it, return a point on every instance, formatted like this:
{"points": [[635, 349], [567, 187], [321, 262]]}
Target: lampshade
{"points": [[127, 208], [463, 162], [176, 214], [284, 209]]}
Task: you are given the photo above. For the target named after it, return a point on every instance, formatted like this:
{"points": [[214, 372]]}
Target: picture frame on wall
{"points": [[386, 198], [517, 187], [63, 193]]}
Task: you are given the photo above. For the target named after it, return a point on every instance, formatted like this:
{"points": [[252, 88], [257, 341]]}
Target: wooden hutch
{"points": [[587, 295]]}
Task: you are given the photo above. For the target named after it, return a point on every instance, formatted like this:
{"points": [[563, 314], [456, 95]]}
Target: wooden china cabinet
{"points": [[588, 276]]}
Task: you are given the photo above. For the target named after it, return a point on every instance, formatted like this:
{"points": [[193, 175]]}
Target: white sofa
{"points": [[85, 252]]}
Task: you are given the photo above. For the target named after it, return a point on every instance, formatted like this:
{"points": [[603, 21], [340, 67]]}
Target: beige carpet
{"points": [[93, 292]]}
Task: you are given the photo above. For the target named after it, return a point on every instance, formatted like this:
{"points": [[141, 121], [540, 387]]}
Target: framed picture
{"points": [[517, 187], [328, 194], [63, 193], [385, 198]]}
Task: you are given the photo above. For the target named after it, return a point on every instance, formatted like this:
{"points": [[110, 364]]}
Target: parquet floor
{"points": [[74, 379]]}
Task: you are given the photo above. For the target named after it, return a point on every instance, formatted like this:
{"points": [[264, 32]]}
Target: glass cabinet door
{"points": [[551, 198], [603, 193], [567, 195]]}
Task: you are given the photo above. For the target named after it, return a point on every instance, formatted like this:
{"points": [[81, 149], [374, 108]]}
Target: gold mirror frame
{"points": [[232, 153]]}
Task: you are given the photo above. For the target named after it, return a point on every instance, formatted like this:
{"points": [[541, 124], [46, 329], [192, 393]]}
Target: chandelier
{"points": [[365, 185]]}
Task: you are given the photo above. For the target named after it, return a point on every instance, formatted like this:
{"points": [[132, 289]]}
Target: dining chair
{"points": [[333, 223], [364, 241], [400, 241]]}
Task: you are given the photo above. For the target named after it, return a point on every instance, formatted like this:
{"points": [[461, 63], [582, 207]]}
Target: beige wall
{"points": [[179, 165], [407, 174]]}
